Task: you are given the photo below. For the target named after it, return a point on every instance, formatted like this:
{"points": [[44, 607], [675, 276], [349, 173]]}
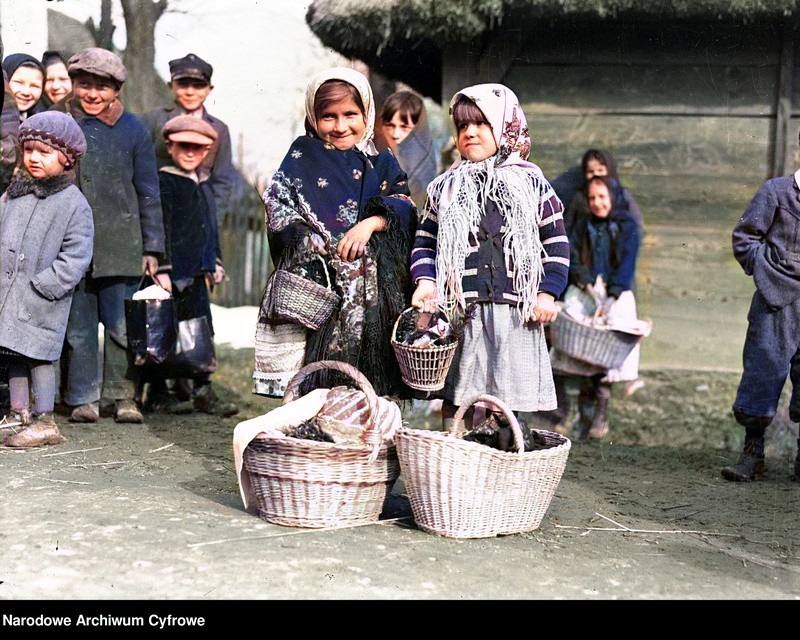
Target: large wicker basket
{"points": [[587, 341], [462, 489], [304, 483], [301, 300], [422, 368]]}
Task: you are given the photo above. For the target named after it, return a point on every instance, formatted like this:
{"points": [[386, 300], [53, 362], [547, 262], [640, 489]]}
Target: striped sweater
{"points": [[485, 277]]}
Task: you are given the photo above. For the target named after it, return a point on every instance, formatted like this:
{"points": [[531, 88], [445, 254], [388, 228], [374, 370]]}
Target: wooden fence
{"points": [[243, 242]]}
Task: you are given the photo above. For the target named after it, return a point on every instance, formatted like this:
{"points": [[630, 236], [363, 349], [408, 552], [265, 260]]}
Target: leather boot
{"points": [[586, 405], [41, 431], [599, 425], [127, 411], [751, 462]]}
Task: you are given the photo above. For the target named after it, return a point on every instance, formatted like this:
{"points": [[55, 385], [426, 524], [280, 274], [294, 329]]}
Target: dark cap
{"points": [[190, 66]]}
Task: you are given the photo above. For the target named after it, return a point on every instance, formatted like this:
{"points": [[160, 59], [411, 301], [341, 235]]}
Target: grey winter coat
{"points": [[46, 238]]}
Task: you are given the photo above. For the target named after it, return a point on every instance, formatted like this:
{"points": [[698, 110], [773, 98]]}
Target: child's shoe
{"points": [[126, 411], [41, 431], [206, 400], [85, 413]]}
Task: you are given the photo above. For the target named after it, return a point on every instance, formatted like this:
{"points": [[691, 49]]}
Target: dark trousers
{"points": [[770, 355]]}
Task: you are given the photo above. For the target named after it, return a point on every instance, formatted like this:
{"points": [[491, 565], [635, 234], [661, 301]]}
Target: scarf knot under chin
{"points": [[458, 198]]}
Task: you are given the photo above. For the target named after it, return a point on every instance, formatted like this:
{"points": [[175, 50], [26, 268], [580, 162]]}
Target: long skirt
{"points": [[502, 356]]}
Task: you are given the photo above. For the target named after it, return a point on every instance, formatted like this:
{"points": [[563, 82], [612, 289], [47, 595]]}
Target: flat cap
{"points": [[98, 62], [57, 130], [189, 129], [190, 66]]}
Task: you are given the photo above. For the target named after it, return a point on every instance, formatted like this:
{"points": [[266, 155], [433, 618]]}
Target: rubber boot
{"points": [[751, 462], [599, 424]]}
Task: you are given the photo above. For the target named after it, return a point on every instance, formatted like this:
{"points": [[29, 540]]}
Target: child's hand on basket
{"points": [[546, 309], [425, 296]]}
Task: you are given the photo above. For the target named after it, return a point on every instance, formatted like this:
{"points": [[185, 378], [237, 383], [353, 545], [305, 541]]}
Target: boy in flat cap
{"points": [[194, 263], [47, 230], [119, 177], [190, 81]]}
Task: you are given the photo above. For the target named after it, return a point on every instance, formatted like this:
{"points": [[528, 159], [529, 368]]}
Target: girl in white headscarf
{"points": [[335, 196], [491, 245]]}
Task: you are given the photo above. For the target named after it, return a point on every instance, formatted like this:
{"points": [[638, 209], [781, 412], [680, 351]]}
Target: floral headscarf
{"points": [[360, 82], [501, 107]]}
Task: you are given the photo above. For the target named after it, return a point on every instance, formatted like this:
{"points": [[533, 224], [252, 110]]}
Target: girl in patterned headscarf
{"points": [[492, 236], [335, 196]]}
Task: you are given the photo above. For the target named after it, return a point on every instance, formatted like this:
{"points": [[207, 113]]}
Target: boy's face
{"points": [[475, 142], [190, 93], [396, 130], [96, 93], [42, 161], [26, 86], [342, 124], [187, 155], [599, 200]]}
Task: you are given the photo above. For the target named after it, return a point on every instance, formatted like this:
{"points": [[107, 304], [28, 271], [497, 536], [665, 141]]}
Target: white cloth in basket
{"points": [[287, 415]]}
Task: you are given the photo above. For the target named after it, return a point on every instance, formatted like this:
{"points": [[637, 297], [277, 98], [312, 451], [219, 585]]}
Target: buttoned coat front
{"points": [[45, 250]]}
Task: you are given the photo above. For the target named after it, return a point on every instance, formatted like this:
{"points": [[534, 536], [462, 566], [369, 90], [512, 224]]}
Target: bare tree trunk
{"points": [[144, 89], [104, 33]]}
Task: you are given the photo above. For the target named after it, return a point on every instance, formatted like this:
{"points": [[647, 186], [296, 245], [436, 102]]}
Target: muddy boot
{"points": [[206, 400], [85, 413], [751, 462], [41, 431], [127, 411], [599, 424]]}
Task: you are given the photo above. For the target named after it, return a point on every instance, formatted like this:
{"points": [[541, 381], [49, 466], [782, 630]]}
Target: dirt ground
{"points": [[152, 512]]}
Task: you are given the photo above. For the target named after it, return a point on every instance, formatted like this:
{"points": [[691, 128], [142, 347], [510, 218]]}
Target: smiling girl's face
{"points": [[341, 124]]}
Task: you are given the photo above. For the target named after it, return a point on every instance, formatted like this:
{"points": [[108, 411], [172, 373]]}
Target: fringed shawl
{"points": [[457, 199]]}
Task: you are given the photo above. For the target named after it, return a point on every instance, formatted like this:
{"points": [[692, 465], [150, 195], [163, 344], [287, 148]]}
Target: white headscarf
{"points": [[360, 82], [501, 108]]}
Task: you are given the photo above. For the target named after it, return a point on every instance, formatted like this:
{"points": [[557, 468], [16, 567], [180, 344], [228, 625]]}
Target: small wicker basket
{"points": [[462, 489], [586, 341], [422, 368], [301, 300], [304, 483]]}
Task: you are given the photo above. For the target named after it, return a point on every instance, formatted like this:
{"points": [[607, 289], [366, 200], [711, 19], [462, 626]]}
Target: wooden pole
{"points": [[783, 136]]}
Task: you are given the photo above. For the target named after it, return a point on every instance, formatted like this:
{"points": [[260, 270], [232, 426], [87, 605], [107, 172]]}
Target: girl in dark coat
{"points": [[336, 196], [26, 81]]}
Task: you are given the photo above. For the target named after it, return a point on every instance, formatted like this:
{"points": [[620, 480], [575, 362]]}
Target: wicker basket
{"points": [[597, 345], [301, 300], [304, 483], [422, 368], [462, 489]]}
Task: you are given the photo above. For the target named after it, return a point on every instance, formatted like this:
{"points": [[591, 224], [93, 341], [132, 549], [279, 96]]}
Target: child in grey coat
{"points": [[46, 235]]}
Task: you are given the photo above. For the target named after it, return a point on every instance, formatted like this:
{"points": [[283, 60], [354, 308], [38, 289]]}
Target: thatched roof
{"points": [[380, 32]]}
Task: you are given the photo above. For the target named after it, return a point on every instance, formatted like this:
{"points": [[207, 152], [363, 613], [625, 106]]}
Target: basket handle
{"points": [[293, 388], [396, 322], [325, 269], [458, 418]]}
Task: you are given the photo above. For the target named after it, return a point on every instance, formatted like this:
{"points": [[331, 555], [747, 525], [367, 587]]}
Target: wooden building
{"points": [[696, 99]]}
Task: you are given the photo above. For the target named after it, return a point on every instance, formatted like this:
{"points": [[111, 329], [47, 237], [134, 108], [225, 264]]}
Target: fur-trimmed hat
{"points": [[98, 62], [57, 130], [187, 128]]}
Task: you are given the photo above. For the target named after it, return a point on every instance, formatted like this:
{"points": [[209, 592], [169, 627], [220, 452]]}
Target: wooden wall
{"points": [[697, 116]]}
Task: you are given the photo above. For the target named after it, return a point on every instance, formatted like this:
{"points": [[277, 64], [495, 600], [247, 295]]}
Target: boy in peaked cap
{"points": [[190, 81], [119, 177], [194, 263]]}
